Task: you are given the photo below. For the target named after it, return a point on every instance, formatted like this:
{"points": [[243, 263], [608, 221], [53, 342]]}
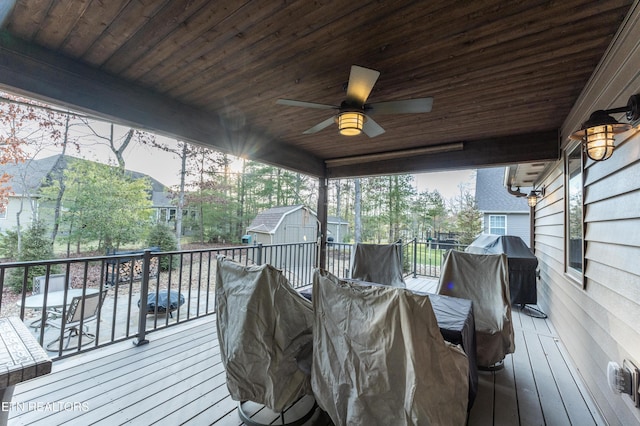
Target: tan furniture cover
{"points": [[484, 279], [378, 263], [265, 333], [379, 357]]}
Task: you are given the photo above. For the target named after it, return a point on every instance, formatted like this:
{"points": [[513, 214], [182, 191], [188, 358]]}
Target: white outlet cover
{"points": [[612, 376]]}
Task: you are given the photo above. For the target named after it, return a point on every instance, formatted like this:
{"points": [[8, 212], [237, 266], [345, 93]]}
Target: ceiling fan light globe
{"points": [[350, 123]]}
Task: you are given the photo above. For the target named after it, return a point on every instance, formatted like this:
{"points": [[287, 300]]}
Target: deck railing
{"points": [[175, 276]]}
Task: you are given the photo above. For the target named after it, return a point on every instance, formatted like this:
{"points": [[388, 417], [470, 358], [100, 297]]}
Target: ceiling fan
{"points": [[354, 114]]}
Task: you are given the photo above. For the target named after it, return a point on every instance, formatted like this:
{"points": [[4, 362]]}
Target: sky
{"points": [[165, 166], [447, 183]]}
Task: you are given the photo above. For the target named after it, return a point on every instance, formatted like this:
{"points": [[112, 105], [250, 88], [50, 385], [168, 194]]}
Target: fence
{"points": [[167, 279]]}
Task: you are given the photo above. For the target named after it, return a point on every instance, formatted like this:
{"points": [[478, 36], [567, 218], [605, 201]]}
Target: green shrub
{"points": [[162, 236], [9, 244], [36, 245]]}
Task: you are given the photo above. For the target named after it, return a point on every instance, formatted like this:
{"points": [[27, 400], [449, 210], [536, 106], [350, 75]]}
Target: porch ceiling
{"points": [[503, 74]]}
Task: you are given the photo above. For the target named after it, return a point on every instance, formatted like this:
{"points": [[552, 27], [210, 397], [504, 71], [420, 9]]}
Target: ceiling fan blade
{"points": [[371, 128], [361, 81], [407, 106], [303, 104], [326, 123]]}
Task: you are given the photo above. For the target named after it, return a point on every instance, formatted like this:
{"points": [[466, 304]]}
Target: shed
{"points": [[293, 224], [283, 225], [337, 229]]}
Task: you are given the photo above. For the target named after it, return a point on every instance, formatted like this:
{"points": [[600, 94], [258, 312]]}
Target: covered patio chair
{"points": [[265, 332], [380, 358], [81, 312], [378, 263], [484, 279]]}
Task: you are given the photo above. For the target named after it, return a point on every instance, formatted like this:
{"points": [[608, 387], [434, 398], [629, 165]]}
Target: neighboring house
{"points": [[25, 182], [28, 177], [502, 212]]}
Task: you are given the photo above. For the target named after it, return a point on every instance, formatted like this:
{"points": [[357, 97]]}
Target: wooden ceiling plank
{"points": [[266, 54], [209, 58], [90, 26], [506, 55], [60, 20], [481, 93], [27, 16], [472, 89], [351, 39], [189, 35], [33, 71], [224, 59], [271, 57], [132, 17], [160, 27], [489, 59]]}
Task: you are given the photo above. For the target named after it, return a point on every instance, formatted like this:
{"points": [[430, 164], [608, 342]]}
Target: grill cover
{"points": [[522, 264], [166, 302]]}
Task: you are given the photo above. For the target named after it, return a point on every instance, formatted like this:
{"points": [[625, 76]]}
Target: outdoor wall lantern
{"points": [[350, 123], [598, 132], [532, 198]]}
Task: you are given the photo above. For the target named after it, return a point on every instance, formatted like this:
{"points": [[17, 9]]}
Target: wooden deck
{"points": [[178, 378]]}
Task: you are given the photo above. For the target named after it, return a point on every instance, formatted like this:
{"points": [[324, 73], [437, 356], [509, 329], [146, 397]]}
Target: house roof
{"points": [[492, 195], [27, 177], [505, 76]]}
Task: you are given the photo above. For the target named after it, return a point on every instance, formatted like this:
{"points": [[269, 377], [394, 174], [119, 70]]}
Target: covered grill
{"points": [[522, 264]]}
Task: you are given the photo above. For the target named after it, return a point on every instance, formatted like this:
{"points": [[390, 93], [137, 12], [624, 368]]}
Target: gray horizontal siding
{"points": [[599, 323]]}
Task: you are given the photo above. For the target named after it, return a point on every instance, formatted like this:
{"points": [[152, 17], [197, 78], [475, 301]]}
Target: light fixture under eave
{"points": [[350, 123], [532, 198], [598, 132]]}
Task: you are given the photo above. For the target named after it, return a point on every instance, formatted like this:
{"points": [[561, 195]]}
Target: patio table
{"points": [[55, 299]]}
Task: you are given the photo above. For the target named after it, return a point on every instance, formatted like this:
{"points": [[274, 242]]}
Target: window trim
{"points": [[574, 274], [505, 223]]}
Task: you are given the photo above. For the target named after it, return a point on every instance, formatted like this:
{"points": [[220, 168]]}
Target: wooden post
{"points": [[322, 219]]}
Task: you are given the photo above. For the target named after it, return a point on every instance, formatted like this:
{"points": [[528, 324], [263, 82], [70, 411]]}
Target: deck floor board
{"points": [[178, 378]]}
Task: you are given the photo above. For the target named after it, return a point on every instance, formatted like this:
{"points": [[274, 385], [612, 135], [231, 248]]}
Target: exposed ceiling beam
{"points": [[39, 73], [530, 147]]}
